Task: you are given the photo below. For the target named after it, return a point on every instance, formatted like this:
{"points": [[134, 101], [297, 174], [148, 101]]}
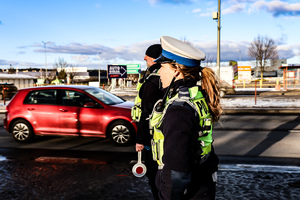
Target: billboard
{"points": [[133, 68], [116, 71], [244, 72], [235, 67]]}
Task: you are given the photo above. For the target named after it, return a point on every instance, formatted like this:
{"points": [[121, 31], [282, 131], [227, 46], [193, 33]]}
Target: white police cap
{"points": [[174, 50]]}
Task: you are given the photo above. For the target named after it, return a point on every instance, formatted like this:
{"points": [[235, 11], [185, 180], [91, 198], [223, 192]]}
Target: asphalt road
{"points": [[259, 155], [272, 136], [257, 161]]}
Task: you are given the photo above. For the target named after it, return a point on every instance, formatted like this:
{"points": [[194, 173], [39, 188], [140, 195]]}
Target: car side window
{"points": [[75, 98], [43, 97]]}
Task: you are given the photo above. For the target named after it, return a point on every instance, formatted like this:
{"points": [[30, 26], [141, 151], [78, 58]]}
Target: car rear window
{"points": [[45, 97]]}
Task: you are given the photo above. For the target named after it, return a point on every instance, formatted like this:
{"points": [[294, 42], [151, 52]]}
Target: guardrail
{"points": [[288, 84]]}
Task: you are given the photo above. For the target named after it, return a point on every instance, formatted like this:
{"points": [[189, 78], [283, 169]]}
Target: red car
{"points": [[69, 111]]}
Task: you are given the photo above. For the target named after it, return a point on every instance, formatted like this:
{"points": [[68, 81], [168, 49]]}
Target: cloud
{"points": [[153, 2], [286, 52], [4, 62], [87, 55], [7, 63], [275, 7], [229, 49], [279, 8], [81, 52], [80, 58], [282, 40], [196, 10], [234, 9]]}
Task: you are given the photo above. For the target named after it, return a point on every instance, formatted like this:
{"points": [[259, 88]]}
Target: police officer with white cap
{"points": [[183, 122]]}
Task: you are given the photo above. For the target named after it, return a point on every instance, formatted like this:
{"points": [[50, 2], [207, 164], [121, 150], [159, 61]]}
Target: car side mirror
{"points": [[89, 105]]}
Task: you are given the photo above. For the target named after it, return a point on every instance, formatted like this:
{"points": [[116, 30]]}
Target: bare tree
{"points": [[209, 59], [11, 70], [185, 40], [263, 49], [73, 72], [61, 65], [62, 74]]}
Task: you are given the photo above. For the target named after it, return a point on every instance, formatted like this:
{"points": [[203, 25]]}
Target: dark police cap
{"points": [[154, 51]]}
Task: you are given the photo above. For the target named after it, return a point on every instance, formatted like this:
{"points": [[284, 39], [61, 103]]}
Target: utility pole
{"points": [[99, 78], [45, 43], [240, 54], [219, 39], [217, 16]]}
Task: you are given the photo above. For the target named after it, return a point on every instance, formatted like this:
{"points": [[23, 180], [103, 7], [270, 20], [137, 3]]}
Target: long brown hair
{"points": [[209, 83]]}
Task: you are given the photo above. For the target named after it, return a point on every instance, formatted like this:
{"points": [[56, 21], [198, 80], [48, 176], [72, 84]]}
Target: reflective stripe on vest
{"points": [[136, 110], [198, 103]]}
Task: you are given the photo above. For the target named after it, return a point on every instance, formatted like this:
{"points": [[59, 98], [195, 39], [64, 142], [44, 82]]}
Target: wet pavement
{"points": [[69, 178], [66, 178]]}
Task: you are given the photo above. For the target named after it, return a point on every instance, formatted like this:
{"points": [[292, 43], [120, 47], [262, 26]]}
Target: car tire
{"points": [[222, 93], [121, 133], [22, 131]]}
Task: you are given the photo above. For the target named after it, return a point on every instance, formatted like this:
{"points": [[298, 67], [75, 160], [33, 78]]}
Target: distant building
{"points": [[94, 75], [19, 80], [291, 70], [272, 70], [78, 73]]}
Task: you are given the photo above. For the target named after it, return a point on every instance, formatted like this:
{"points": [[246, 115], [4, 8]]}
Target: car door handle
{"points": [[30, 109], [63, 110]]}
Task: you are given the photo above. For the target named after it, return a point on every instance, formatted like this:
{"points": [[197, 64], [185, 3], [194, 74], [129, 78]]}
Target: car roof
{"points": [[81, 87]]}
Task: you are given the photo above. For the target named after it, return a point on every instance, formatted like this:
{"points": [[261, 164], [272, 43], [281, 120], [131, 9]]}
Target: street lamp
{"points": [[45, 43], [99, 69], [217, 16], [240, 53]]}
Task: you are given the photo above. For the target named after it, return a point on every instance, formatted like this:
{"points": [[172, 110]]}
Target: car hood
{"points": [[126, 104]]}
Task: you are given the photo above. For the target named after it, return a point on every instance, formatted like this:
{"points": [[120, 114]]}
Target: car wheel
{"points": [[121, 133], [222, 93], [22, 131]]}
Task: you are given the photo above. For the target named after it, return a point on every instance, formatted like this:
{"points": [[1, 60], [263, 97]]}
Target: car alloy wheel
{"points": [[22, 131], [121, 133], [222, 93]]}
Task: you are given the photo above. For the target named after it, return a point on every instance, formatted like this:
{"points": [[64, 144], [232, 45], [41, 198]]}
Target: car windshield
{"points": [[104, 96]]}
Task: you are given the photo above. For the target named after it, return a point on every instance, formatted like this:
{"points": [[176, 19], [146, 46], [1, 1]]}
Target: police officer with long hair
{"points": [[183, 122]]}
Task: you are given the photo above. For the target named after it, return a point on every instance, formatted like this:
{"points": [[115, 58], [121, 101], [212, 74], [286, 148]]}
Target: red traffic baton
{"points": [[139, 169]]}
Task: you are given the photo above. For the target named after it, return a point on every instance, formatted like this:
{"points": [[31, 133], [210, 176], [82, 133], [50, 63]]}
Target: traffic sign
{"points": [[139, 169], [133, 68], [116, 71]]}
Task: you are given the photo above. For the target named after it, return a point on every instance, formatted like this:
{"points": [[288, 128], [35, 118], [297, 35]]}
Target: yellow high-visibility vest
{"points": [[196, 100]]}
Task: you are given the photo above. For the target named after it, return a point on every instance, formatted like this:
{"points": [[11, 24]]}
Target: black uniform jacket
{"points": [[150, 93], [178, 128]]}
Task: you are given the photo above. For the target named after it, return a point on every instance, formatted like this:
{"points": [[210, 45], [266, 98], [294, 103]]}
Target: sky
{"points": [[96, 33]]}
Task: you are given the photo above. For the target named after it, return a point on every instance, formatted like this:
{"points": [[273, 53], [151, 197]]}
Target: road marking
{"points": [[294, 131], [260, 168]]}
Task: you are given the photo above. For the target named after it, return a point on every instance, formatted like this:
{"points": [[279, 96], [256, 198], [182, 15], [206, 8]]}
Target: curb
{"points": [[261, 111], [269, 93]]}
